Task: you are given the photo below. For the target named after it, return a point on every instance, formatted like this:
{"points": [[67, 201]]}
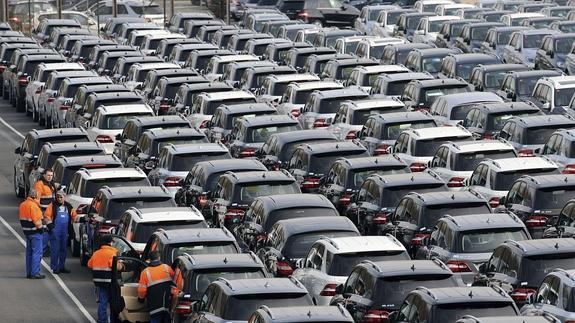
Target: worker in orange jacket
{"points": [[101, 265], [30, 216], [156, 287], [45, 187]]}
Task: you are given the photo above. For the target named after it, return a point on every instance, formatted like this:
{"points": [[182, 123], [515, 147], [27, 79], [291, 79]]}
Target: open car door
{"points": [[124, 293]]}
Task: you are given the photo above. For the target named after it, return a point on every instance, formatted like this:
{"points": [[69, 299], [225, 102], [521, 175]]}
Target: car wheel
{"points": [[75, 246], [17, 189], [34, 115], [83, 256], [47, 121]]}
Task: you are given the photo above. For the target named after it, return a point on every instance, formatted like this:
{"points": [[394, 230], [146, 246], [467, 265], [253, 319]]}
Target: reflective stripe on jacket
{"points": [[30, 216], [156, 286], [101, 265], [45, 191]]}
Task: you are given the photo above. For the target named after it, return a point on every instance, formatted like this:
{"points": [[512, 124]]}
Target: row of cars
{"points": [[228, 162]]}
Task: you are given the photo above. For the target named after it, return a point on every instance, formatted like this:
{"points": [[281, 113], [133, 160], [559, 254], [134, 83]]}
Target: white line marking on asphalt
{"points": [[11, 128], [57, 278]]}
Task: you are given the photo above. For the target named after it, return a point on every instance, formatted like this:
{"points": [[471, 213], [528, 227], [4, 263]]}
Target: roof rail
{"points": [[372, 264], [426, 291], [225, 281], [267, 310], [296, 282], [471, 317], [440, 263], [563, 271], [451, 219], [330, 241], [513, 242], [499, 290], [190, 258], [254, 257]]}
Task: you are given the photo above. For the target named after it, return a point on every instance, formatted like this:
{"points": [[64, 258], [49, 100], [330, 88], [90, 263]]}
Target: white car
{"points": [[109, 121], [455, 162], [205, 104], [428, 28], [138, 72], [430, 5], [386, 21], [373, 47], [330, 261], [217, 64], [451, 9], [416, 147], [368, 17], [296, 94], [86, 182], [516, 19], [493, 178]]}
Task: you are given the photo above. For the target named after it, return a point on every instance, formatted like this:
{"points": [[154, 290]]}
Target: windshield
{"points": [[479, 33], [485, 241], [201, 279], [343, 263], [432, 64], [213, 105], [249, 192], [493, 80], [467, 162], [533, 41], [288, 149], [563, 45], [553, 198], [118, 121], [396, 88], [240, 307], [497, 121], [261, 134], [116, 207], [297, 246], [503, 37], [452, 312], [392, 17], [436, 212], [332, 105], [185, 162], [526, 85], [55, 155], [429, 146], [460, 112], [433, 93], [563, 96], [434, 26], [394, 193], [147, 10], [504, 180], [320, 163], [144, 230], [91, 187], [538, 266], [360, 175], [392, 290], [395, 129]]}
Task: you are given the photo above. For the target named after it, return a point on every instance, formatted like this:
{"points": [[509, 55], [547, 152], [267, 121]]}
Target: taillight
{"points": [[522, 294], [104, 139], [375, 316], [345, 199], [488, 136], [64, 107], [51, 99], [105, 228], [494, 202], [283, 269], [417, 167], [184, 307], [164, 107], [422, 108], [526, 153], [320, 123], [295, 112], [303, 15], [351, 135], [380, 218], [536, 221], [310, 182], [456, 182], [418, 239], [2, 68], [328, 290], [39, 90], [172, 181], [204, 124], [234, 215], [23, 80], [569, 169], [382, 149], [247, 152], [261, 237], [458, 266]]}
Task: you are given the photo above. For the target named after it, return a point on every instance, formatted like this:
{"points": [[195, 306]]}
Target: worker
{"points": [[101, 265], [59, 217], [30, 216], [45, 188], [156, 288]]}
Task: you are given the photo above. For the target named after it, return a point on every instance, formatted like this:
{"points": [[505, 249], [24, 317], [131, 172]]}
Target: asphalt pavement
{"points": [[58, 298]]}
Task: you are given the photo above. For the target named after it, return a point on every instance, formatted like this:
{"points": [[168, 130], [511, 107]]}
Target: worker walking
{"points": [[45, 188], [30, 216], [101, 265], [59, 217], [156, 283]]}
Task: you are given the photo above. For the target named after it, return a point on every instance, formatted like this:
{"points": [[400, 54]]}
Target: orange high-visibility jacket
{"points": [[156, 286], [45, 192], [101, 265], [30, 215]]}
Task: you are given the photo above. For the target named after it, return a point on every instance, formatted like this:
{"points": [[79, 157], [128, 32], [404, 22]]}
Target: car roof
{"points": [[544, 246], [195, 235], [517, 163], [539, 73], [252, 176], [427, 52], [532, 31], [367, 104], [357, 244], [469, 97], [382, 68], [497, 107], [549, 181], [122, 192], [473, 57], [316, 85], [302, 135], [508, 319], [90, 160], [434, 198], [68, 146], [542, 120], [213, 261], [228, 95], [315, 224], [438, 82], [560, 82], [224, 165], [484, 221], [287, 201], [439, 132], [407, 267], [407, 76], [270, 119], [125, 109], [341, 93], [243, 108], [502, 67], [195, 148], [166, 214], [261, 286], [401, 116], [407, 179], [112, 95], [307, 313], [365, 162], [108, 173], [159, 120], [173, 132], [319, 148], [478, 145], [46, 133], [562, 35], [450, 295], [293, 77]]}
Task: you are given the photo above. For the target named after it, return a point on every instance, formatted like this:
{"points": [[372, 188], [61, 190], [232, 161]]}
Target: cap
{"points": [[61, 193]]}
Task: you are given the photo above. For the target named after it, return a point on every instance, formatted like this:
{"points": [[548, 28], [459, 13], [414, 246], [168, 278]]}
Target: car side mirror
{"points": [[531, 298], [18, 150], [483, 268], [503, 200], [138, 87], [150, 164], [119, 136], [550, 53], [393, 316], [339, 289]]}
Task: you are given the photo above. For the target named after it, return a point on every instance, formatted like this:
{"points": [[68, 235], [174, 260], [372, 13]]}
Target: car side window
{"points": [[551, 147], [495, 259], [351, 282], [440, 159], [401, 143], [406, 309]]}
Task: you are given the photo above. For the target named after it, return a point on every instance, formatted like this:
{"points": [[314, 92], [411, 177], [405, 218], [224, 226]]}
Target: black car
{"points": [[407, 23], [266, 211], [27, 153], [554, 48], [416, 213], [562, 225], [372, 206], [420, 94], [374, 290], [493, 16], [95, 100], [346, 176], [395, 54], [187, 93], [328, 13], [289, 240], [224, 118], [490, 77], [520, 266], [277, 51], [460, 65], [162, 98], [518, 86], [183, 55], [394, 84], [334, 314], [82, 94], [253, 77], [153, 76], [450, 30], [296, 57], [472, 35]]}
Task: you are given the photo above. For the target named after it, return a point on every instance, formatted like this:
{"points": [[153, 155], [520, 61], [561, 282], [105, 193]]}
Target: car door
{"points": [[124, 291], [548, 298]]}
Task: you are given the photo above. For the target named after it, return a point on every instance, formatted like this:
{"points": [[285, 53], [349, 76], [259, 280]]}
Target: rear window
{"points": [[92, 186], [116, 207], [332, 105], [320, 163], [393, 194], [504, 180], [452, 312], [467, 162], [297, 246], [343, 264], [361, 116], [428, 147], [360, 175], [261, 134], [395, 129], [553, 197], [392, 290], [212, 106], [497, 121], [161, 143], [203, 248], [61, 139], [535, 268], [202, 278], [485, 241], [147, 10], [436, 212], [431, 94], [246, 193], [240, 307], [118, 121], [53, 156], [540, 135], [145, 230], [185, 162], [296, 212]]}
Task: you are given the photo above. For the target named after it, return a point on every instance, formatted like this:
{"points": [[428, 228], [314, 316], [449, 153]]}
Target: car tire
{"points": [[34, 115], [83, 256], [20, 105], [75, 248], [19, 191], [47, 121]]}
